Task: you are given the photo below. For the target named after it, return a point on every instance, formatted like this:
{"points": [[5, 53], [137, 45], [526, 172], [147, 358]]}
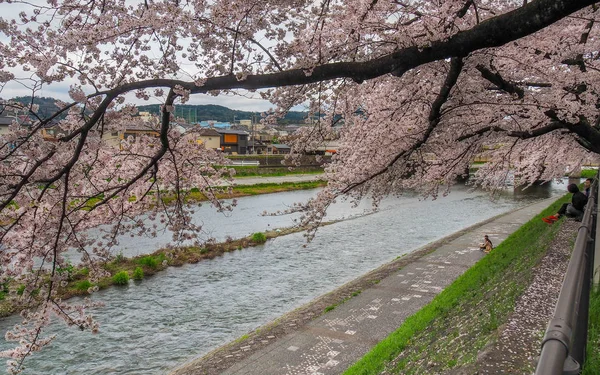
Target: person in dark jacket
{"points": [[587, 184], [573, 209]]}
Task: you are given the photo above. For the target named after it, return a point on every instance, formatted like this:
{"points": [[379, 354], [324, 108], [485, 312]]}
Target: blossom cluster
{"points": [[412, 92]]}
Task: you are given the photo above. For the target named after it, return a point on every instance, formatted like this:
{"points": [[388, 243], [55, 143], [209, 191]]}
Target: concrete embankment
{"points": [[309, 342]]}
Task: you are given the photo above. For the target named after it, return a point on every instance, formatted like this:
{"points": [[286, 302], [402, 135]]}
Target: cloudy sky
{"points": [[244, 101]]}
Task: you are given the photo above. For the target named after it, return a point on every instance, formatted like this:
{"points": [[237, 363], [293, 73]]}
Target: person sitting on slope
{"points": [[573, 209], [487, 245]]}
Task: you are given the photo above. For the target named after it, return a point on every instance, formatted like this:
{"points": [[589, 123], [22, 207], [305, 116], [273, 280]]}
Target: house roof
{"points": [[146, 127], [215, 124], [207, 132], [257, 143], [232, 131], [280, 145], [5, 120]]}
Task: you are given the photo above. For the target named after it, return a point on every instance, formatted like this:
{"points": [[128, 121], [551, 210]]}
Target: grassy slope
{"points": [[460, 321], [252, 171], [592, 361]]}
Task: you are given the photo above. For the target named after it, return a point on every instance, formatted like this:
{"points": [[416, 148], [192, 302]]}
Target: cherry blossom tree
{"points": [[413, 90]]}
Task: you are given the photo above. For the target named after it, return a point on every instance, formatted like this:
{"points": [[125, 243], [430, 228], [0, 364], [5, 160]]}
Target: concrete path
{"points": [[337, 339]]}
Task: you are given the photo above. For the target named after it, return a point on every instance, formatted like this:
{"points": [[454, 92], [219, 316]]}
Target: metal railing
{"points": [[563, 346]]}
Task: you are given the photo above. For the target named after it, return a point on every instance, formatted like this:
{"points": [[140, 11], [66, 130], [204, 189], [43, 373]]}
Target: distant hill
{"points": [[47, 106], [196, 113], [192, 113]]}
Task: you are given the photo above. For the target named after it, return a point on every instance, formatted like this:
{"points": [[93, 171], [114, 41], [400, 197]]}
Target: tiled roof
{"points": [[144, 127], [6, 120], [207, 132]]}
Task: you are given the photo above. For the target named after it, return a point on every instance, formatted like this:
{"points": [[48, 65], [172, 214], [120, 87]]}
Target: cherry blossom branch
{"points": [[41, 123], [21, 361], [493, 32], [554, 125], [578, 60], [434, 119], [588, 136], [463, 11], [164, 140], [61, 221], [25, 180], [500, 82], [249, 38]]}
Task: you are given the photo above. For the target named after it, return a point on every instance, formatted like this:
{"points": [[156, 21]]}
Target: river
{"points": [[152, 326]]}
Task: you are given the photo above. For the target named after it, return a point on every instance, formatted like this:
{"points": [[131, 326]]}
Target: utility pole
{"points": [[253, 138]]}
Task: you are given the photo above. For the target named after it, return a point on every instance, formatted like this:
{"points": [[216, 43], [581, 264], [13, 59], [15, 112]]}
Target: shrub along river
{"points": [[163, 321]]}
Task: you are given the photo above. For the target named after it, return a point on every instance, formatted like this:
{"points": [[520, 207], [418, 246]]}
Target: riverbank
{"points": [[199, 307], [337, 317], [492, 318], [121, 269]]}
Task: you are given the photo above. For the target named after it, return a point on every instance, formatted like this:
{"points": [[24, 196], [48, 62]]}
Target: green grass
{"points": [[267, 188], [121, 278], [119, 258], [4, 290], [273, 172], [152, 262], [68, 270], [497, 280], [589, 173], [83, 285], [247, 190], [148, 261], [592, 360], [270, 171], [258, 237], [20, 290], [138, 273]]}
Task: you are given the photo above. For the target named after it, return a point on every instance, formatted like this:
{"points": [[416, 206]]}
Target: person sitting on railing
{"points": [[574, 209]]}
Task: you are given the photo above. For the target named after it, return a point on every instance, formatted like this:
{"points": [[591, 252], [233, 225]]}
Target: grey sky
{"points": [[245, 101]]}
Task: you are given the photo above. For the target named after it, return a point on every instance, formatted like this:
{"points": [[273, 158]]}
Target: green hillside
{"points": [[196, 113], [192, 113], [47, 106]]}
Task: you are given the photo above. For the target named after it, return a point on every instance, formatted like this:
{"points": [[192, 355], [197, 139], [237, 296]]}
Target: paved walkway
{"points": [[334, 341]]}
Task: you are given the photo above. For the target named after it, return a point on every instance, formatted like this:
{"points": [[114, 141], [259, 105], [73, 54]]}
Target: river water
{"points": [[152, 326]]}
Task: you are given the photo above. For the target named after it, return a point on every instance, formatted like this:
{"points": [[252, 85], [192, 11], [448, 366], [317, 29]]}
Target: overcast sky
{"points": [[245, 101]]}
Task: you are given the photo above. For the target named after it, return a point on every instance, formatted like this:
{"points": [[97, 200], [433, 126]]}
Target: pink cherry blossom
{"points": [[412, 91]]}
